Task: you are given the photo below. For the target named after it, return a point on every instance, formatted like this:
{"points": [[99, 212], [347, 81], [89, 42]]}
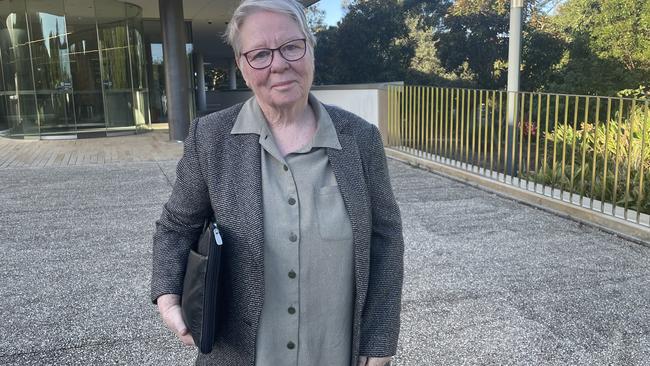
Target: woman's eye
{"points": [[260, 55]]}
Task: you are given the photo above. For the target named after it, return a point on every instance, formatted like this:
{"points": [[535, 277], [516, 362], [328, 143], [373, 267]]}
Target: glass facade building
{"points": [[72, 68]]}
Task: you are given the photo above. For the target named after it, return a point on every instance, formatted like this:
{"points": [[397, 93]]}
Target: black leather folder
{"points": [[201, 290]]}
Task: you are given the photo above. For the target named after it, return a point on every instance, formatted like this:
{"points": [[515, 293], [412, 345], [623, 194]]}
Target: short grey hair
{"points": [[292, 8]]}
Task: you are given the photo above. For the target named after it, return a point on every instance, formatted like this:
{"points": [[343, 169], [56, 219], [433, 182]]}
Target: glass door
{"points": [[85, 66], [116, 66], [51, 67]]}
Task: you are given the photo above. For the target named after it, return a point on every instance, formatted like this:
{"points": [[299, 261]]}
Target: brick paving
{"points": [[149, 146]]}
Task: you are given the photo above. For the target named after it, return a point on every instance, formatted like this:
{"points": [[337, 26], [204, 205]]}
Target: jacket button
{"points": [[291, 310], [285, 168], [291, 345], [293, 237], [292, 274], [292, 201]]}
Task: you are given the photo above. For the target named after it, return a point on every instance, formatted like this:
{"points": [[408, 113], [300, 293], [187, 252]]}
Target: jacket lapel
{"points": [[238, 199], [244, 172]]}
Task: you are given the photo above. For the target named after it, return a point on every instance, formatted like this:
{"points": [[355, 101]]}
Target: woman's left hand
{"points": [[374, 361]]}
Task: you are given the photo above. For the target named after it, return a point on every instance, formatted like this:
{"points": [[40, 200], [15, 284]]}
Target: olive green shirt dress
{"points": [[308, 256]]}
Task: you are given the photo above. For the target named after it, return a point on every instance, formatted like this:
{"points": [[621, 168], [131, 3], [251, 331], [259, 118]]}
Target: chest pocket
{"points": [[333, 221]]}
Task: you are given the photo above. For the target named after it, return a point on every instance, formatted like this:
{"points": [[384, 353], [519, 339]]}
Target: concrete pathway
{"points": [[489, 281], [152, 146]]}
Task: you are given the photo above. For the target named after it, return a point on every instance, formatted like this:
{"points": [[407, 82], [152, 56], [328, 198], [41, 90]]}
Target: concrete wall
{"points": [[363, 102], [369, 101]]}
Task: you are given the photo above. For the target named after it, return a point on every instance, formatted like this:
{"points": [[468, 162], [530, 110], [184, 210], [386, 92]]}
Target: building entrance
{"points": [[71, 68]]}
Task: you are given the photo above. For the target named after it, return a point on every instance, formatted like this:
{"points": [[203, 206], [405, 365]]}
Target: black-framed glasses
{"points": [[261, 58]]}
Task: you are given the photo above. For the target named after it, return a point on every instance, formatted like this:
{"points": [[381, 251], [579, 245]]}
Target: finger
{"points": [[174, 320], [363, 360], [187, 339], [177, 325]]}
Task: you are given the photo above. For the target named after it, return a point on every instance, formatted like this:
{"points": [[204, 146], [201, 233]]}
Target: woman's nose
{"points": [[278, 63]]}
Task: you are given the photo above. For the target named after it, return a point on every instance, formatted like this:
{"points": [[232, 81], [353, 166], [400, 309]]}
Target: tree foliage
{"points": [[608, 46], [473, 31], [542, 49], [315, 18], [569, 46], [370, 44]]}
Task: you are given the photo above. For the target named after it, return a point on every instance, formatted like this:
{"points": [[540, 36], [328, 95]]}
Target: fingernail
{"points": [[183, 331]]}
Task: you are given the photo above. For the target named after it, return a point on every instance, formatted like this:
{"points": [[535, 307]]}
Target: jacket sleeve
{"points": [[380, 320], [181, 221]]}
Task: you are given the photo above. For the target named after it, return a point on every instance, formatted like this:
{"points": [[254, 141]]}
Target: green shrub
{"points": [[614, 153]]}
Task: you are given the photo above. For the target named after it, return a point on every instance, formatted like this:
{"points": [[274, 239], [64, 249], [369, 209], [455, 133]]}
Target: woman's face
{"points": [[283, 84]]}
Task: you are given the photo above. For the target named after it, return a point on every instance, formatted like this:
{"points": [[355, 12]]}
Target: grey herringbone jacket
{"points": [[220, 173]]}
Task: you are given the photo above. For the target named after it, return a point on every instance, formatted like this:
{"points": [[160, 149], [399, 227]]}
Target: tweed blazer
{"points": [[220, 173]]}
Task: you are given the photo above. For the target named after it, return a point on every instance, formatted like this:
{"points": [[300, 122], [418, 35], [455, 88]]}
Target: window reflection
{"points": [[71, 66], [51, 66], [156, 70]]}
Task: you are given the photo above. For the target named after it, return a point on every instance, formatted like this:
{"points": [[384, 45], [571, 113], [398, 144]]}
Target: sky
{"points": [[333, 11]]}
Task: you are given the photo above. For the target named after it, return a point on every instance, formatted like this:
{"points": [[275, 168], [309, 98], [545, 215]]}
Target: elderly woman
{"points": [[301, 192]]}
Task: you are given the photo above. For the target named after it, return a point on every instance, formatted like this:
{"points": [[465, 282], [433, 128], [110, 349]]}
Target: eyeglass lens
{"points": [[291, 51]]}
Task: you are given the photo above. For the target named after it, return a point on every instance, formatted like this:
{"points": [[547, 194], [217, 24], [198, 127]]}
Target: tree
{"points": [[315, 18], [608, 46], [370, 44], [425, 67], [617, 29], [475, 32], [471, 39], [424, 59], [327, 57], [542, 51]]}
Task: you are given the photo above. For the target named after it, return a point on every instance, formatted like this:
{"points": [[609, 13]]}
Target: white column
{"points": [[514, 61]]}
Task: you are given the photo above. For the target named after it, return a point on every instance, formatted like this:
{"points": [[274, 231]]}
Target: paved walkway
{"points": [[489, 281], [151, 146]]}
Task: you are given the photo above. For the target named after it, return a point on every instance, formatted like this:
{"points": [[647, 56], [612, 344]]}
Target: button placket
{"points": [[293, 256]]}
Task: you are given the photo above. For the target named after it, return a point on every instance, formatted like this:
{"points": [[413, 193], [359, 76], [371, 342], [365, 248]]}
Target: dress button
{"points": [[291, 345], [292, 201], [292, 274], [291, 310], [285, 168], [293, 237]]}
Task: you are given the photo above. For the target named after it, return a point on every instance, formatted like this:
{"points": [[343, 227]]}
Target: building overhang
{"points": [[209, 19]]}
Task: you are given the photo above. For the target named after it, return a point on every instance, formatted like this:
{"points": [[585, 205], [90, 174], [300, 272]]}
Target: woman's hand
{"points": [[374, 361], [169, 307]]}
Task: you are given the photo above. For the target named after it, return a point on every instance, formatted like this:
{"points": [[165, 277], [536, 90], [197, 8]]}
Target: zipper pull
{"points": [[217, 235]]}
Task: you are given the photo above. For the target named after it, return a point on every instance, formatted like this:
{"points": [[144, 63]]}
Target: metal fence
{"points": [[590, 151]]}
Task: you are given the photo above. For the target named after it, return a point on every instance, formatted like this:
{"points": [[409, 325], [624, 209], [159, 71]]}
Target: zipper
{"points": [[212, 277]]}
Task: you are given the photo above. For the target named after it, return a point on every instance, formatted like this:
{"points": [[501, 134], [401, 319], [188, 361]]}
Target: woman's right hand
{"points": [[169, 307]]}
